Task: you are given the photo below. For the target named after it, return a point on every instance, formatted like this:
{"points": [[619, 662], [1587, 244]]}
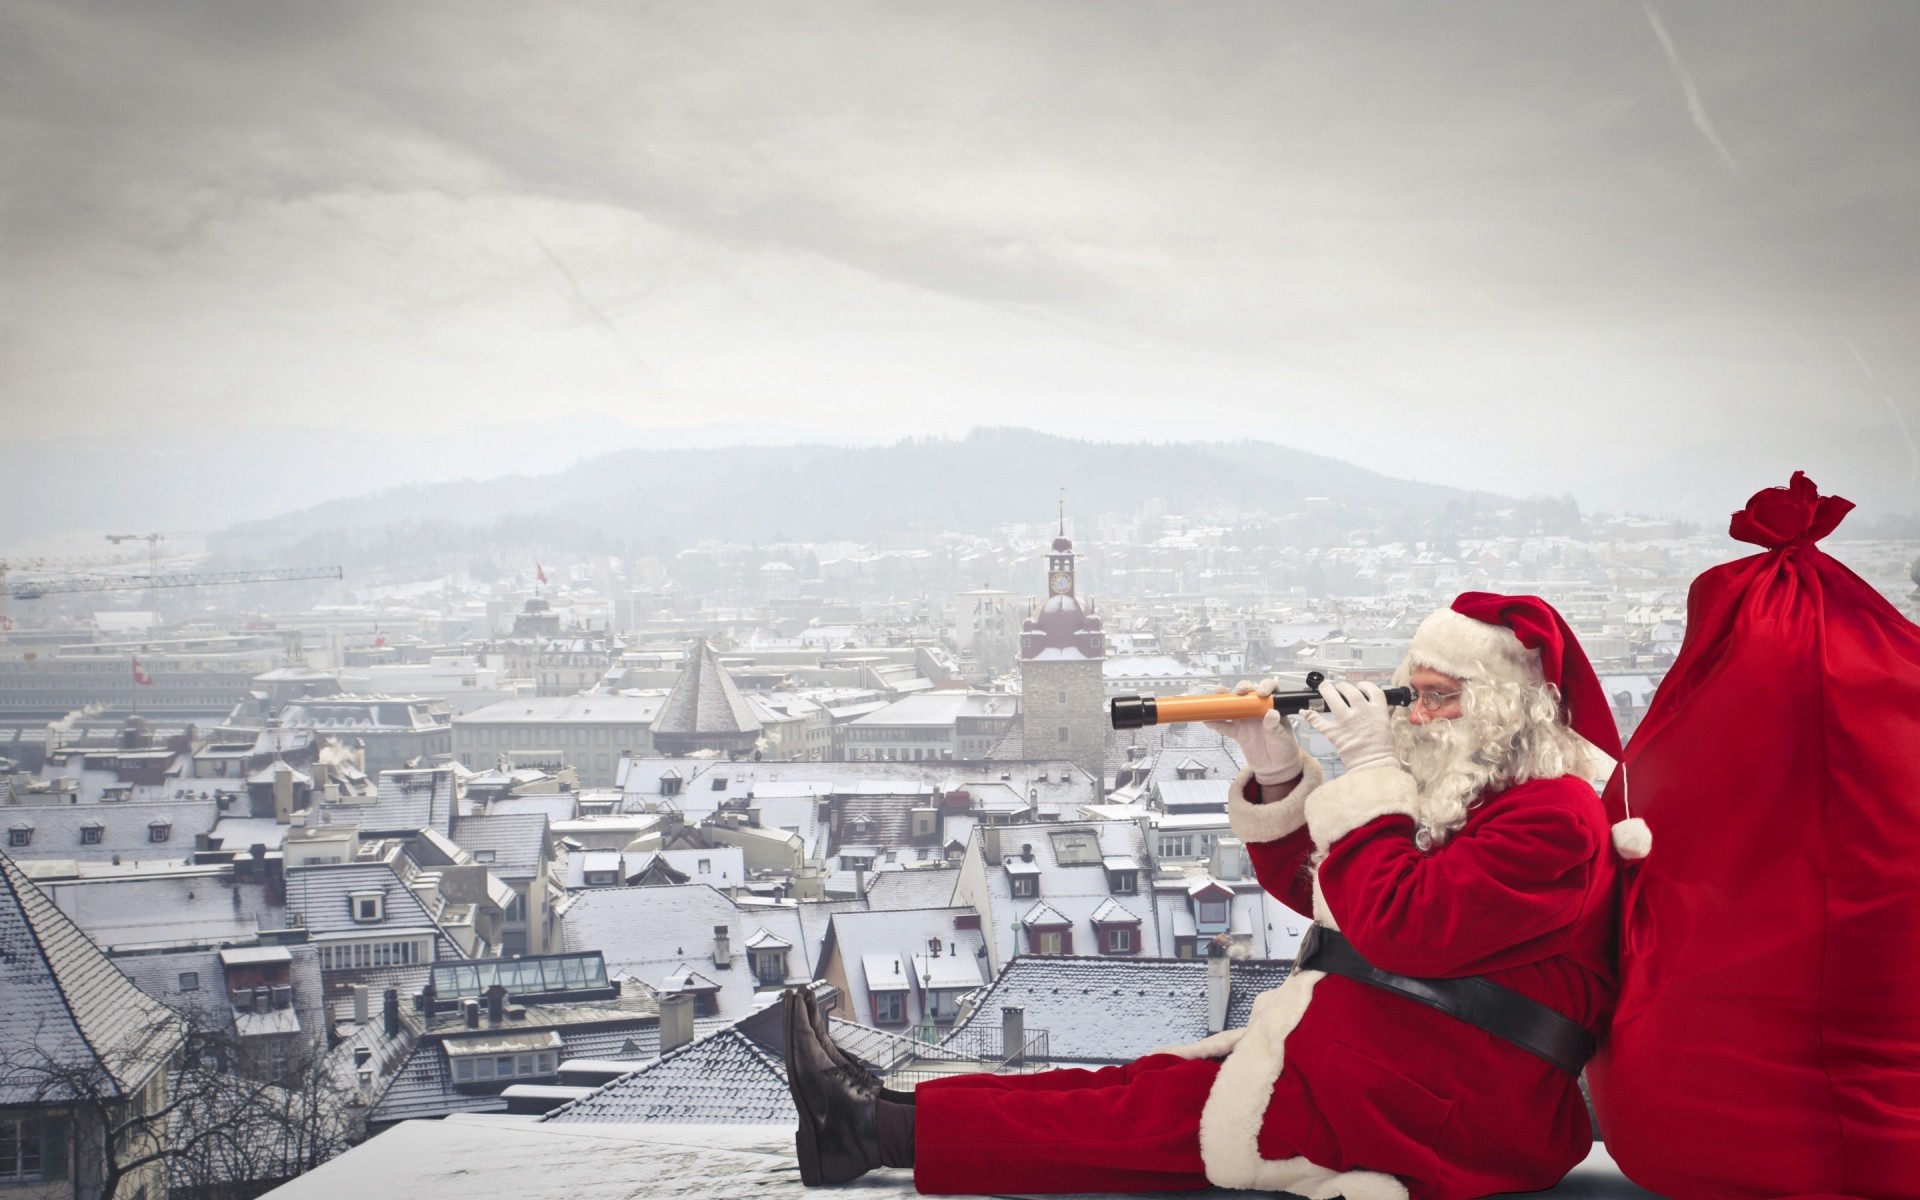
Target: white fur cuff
{"points": [[1270, 822], [1338, 808]]}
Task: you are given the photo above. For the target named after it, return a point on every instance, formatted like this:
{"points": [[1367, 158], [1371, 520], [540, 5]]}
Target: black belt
{"points": [[1502, 1012]]}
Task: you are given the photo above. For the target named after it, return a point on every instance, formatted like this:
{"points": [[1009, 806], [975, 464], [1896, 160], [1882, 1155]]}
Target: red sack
{"points": [[1767, 1037]]}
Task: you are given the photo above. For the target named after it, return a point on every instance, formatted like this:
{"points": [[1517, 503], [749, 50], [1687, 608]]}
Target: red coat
{"points": [[1339, 1087]]}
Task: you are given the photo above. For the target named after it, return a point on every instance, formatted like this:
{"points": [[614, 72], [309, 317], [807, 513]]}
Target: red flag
{"points": [[140, 676], [540, 571], [379, 639]]}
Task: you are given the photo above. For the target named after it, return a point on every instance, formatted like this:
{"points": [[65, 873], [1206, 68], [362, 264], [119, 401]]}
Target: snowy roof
{"points": [[630, 1156], [894, 936], [761, 939], [1045, 916], [1112, 911], [277, 769], [884, 973], [271, 1023], [61, 998], [948, 971], [597, 709], [915, 887], [939, 709], [123, 830], [705, 700], [724, 1078], [320, 897], [648, 933], [406, 803], [190, 908], [517, 841]]}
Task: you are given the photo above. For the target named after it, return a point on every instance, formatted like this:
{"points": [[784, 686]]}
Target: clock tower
{"points": [[1062, 686]]}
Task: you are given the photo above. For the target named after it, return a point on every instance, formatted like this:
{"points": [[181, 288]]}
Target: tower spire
{"points": [[1063, 512]]}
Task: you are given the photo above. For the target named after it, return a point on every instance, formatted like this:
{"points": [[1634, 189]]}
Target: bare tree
{"points": [[183, 1107]]}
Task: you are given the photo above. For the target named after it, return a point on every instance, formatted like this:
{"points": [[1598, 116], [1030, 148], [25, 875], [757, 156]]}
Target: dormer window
{"points": [[368, 907], [159, 831], [1025, 886], [20, 835], [483, 856], [92, 833], [1123, 883]]}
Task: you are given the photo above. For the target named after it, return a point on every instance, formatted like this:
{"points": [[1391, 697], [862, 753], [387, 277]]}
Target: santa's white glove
{"points": [[1357, 723], [1218, 1045], [1267, 741]]}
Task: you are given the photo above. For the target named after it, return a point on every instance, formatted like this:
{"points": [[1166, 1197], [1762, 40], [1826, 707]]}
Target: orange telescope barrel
{"points": [[1136, 712]]}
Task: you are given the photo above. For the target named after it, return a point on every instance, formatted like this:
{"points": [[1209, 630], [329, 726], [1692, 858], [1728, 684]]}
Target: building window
{"points": [[889, 1008], [159, 831], [1026, 886], [1125, 883], [20, 835], [367, 908], [33, 1148], [1063, 695], [1119, 941], [1064, 735], [703, 866], [1050, 941], [189, 981], [91, 835], [1213, 912], [483, 856]]}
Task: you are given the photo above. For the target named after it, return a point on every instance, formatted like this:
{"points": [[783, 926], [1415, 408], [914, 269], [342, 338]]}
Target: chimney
{"points": [[676, 1021], [390, 1009], [1026, 852], [860, 883], [1013, 1034], [722, 948], [497, 1004], [282, 793], [359, 1004], [429, 1001], [1218, 985], [472, 1008], [322, 775]]}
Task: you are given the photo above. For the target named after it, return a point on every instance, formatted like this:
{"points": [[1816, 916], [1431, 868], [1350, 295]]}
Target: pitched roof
{"points": [[125, 831], [1109, 1010], [64, 999], [407, 802], [705, 700], [724, 1078], [516, 841], [321, 898]]}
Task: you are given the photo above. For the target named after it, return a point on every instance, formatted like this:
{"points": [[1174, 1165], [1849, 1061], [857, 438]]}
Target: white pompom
{"points": [[1632, 839]]}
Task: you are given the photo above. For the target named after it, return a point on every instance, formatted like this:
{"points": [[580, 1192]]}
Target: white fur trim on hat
{"points": [[1468, 649], [1632, 839], [1270, 822], [1340, 806]]}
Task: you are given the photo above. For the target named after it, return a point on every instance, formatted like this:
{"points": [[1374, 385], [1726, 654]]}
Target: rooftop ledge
{"points": [[451, 1159]]}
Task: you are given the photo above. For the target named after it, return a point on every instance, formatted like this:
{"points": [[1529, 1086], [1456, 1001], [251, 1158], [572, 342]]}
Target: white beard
{"points": [[1450, 767]]}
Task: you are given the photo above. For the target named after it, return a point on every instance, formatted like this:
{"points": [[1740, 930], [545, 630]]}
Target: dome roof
{"points": [[1062, 544]]}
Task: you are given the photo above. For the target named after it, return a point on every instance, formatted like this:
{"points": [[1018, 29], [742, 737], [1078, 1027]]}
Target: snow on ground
{"points": [[466, 1156]]}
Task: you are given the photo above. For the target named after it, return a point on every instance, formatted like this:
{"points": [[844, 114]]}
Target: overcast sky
{"points": [[1514, 245]]}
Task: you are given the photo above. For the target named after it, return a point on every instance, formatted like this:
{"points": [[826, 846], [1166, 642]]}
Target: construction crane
{"points": [[9, 565], [136, 583]]}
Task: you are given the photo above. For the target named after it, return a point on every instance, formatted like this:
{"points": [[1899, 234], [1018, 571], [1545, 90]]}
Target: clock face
{"points": [[1062, 583]]}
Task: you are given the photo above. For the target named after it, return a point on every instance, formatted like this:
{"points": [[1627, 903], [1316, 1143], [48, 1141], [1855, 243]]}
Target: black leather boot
{"points": [[838, 1139], [823, 1034]]}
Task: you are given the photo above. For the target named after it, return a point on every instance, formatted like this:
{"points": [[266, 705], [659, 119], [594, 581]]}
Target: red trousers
{"points": [[1134, 1128]]}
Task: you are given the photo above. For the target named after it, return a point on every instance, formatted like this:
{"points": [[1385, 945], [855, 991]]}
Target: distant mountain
{"points": [[823, 492]]}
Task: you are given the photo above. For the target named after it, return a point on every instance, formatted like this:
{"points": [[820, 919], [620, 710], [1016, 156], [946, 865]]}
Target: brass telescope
{"points": [[1137, 712]]}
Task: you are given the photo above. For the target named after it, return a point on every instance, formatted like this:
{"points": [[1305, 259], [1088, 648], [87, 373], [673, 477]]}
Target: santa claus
{"points": [[1461, 874]]}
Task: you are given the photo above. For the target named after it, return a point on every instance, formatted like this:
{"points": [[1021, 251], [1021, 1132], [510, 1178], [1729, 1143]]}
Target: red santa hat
{"points": [[1523, 639]]}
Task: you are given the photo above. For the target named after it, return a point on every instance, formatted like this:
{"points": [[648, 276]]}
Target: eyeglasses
{"points": [[1434, 701]]}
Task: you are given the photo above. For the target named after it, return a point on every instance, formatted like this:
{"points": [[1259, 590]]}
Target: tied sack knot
{"points": [[1794, 515]]}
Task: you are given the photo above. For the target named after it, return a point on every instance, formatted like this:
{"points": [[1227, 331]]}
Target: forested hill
{"points": [[818, 493]]}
